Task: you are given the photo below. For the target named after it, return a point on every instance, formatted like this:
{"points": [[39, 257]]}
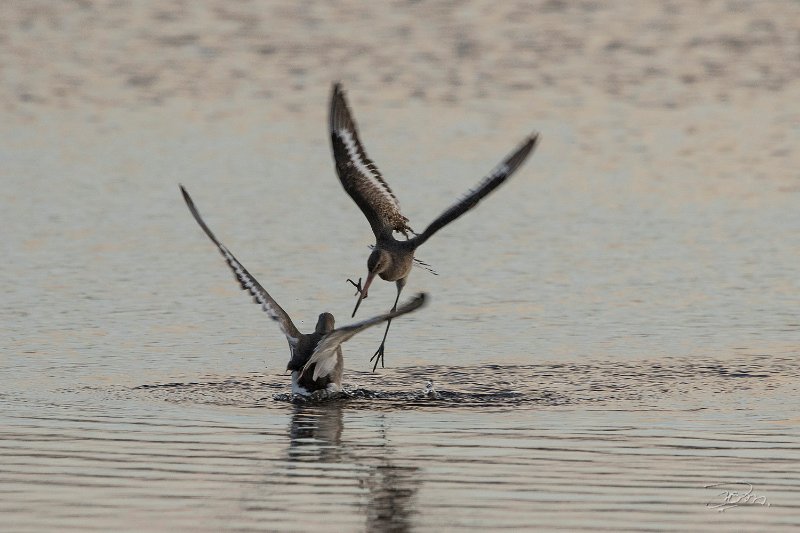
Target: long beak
{"points": [[363, 294]]}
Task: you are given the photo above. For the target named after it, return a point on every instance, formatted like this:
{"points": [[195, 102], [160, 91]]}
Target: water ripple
{"points": [[640, 384]]}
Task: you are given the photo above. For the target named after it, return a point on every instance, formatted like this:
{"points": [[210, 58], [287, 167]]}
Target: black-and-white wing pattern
{"points": [[495, 178], [324, 355], [358, 174], [248, 282]]}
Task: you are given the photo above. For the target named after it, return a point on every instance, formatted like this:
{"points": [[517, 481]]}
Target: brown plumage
{"points": [[316, 360], [392, 259]]}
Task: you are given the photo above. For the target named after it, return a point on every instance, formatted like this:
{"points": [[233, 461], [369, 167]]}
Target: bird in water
{"points": [[316, 360], [391, 259]]}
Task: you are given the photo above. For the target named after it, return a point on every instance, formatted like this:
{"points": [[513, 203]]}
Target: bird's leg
{"points": [[378, 356], [356, 285]]}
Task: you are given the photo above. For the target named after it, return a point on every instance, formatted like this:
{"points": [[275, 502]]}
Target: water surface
{"points": [[610, 333]]}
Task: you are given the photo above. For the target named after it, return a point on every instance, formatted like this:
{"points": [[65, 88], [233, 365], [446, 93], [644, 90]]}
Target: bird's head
{"points": [[378, 261], [324, 323]]}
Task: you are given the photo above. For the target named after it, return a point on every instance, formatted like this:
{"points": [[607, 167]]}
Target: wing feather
{"points": [[497, 177], [248, 282], [359, 176]]}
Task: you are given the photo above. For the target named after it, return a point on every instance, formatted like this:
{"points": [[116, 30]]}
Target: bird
{"points": [[316, 360], [391, 259]]}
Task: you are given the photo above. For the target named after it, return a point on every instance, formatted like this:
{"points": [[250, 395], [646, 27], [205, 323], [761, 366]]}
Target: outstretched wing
{"points": [[500, 174], [325, 353], [248, 282], [359, 176]]}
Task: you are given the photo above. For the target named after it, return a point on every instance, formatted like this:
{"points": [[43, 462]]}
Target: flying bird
{"points": [[316, 360], [391, 259]]}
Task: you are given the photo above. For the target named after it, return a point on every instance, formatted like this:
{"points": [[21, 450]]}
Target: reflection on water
{"points": [[389, 490], [316, 433], [638, 442], [613, 332]]}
